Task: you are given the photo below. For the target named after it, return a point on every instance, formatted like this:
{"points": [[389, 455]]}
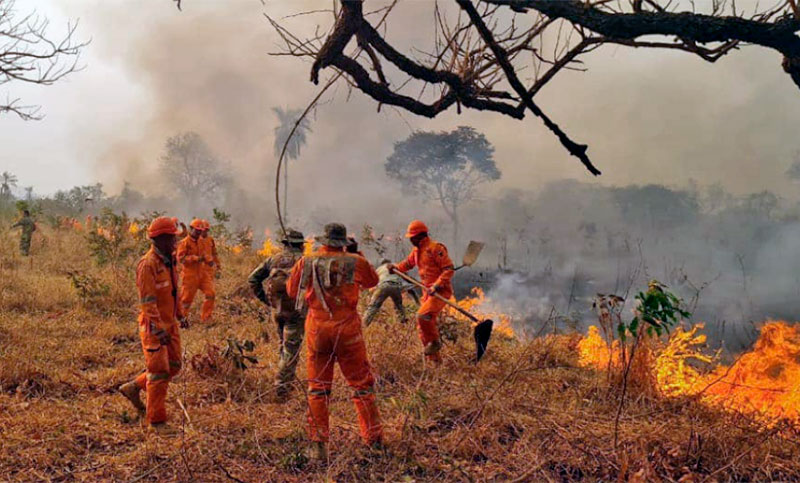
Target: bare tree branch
{"points": [[487, 57], [28, 55]]}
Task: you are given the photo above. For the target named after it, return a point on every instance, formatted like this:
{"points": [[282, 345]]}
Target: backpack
{"points": [[323, 273], [278, 278]]}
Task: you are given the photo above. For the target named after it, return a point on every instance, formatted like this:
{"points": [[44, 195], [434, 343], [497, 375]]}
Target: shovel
{"points": [[471, 255], [482, 331]]}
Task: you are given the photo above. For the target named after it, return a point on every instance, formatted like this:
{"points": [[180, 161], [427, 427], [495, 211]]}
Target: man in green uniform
{"points": [[275, 271], [28, 227]]}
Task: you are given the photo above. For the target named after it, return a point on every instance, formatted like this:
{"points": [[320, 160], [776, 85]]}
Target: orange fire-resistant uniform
{"points": [[194, 257], [210, 256], [333, 334], [435, 269], [157, 282]]}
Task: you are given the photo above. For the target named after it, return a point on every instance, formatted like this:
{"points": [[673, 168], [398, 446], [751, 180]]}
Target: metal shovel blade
{"points": [[482, 333], [473, 252]]}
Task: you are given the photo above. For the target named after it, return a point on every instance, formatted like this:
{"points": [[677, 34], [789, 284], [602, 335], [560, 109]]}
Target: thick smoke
{"points": [[729, 257], [648, 117]]}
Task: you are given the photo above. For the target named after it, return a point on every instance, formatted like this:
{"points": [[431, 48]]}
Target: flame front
{"points": [[269, 248], [763, 383], [593, 351], [478, 305]]}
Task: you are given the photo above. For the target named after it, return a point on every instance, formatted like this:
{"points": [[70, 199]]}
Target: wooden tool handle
{"points": [[451, 304]]}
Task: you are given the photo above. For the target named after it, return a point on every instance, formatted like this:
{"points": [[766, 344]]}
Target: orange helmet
{"points": [[415, 228], [197, 224], [206, 225], [162, 226]]}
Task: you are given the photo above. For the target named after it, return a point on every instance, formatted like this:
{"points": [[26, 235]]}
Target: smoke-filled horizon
{"points": [[649, 117]]}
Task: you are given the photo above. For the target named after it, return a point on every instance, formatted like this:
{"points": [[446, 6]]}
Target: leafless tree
{"points": [[29, 55], [496, 55]]}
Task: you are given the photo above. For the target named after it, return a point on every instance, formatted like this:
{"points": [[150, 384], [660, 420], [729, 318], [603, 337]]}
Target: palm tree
{"points": [[286, 122], [8, 181]]}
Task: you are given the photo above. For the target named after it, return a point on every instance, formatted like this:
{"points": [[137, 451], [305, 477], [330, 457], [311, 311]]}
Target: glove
{"points": [[391, 267], [163, 336], [184, 321], [433, 289]]}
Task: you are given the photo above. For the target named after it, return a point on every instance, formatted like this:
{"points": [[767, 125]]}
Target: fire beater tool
{"points": [[482, 331], [471, 255]]}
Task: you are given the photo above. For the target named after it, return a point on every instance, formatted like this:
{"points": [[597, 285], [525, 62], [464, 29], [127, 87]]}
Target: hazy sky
{"points": [[151, 72]]}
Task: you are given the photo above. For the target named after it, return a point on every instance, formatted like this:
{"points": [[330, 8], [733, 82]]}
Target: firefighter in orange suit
{"points": [[157, 283], [193, 258], [328, 283], [436, 272], [210, 256]]}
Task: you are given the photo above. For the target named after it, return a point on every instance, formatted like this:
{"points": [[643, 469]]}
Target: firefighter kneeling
{"points": [[328, 282]]}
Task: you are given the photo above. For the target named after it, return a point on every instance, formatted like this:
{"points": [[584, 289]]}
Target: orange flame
{"points": [[269, 248], [479, 306], [763, 383], [593, 351]]}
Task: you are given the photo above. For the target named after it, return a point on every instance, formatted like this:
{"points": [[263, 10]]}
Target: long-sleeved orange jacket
{"points": [[157, 282], [435, 266]]}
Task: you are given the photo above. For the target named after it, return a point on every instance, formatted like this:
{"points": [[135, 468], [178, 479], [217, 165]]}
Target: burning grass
{"points": [[528, 412], [763, 383]]}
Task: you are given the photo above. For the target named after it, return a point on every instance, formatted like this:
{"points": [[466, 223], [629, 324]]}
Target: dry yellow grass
{"points": [[528, 412]]}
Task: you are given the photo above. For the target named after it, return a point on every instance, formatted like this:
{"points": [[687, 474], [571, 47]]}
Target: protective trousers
{"points": [[194, 278], [428, 326], [382, 292], [292, 327], [329, 342], [162, 363]]}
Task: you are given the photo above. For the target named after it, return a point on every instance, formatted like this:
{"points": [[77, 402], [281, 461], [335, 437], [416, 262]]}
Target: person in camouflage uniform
{"points": [[389, 286], [275, 271], [28, 227]]}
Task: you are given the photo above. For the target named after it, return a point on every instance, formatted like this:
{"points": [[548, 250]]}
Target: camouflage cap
{"points": [[335, 235], [292, 236]]}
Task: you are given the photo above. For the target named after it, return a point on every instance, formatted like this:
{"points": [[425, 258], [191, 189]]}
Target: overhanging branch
{"points": [[575, 149]]}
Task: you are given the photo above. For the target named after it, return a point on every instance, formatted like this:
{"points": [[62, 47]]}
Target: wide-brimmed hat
{"points": [[335, 235], [292, 236]]}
